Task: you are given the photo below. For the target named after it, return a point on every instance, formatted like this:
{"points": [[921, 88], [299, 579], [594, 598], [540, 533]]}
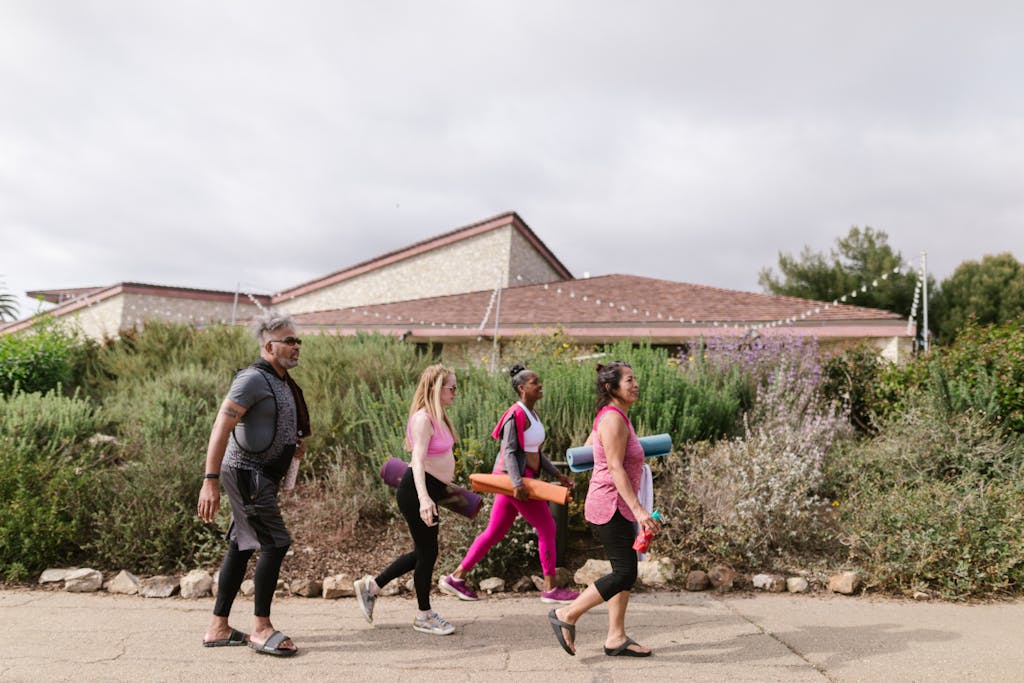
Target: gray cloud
{"points": [[209, 144]]}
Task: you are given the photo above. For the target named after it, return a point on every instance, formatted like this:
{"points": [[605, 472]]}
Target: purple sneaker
{"points": [[457, 587], [561, 596]]}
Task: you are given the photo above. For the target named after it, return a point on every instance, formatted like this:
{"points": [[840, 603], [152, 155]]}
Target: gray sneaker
{"points": [[365, 596], [433, 623]]}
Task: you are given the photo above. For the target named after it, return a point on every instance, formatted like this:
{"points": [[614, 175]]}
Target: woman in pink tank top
{"points": [[430, 437], [611, 507]]}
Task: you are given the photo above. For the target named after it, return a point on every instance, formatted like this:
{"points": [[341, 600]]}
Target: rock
{"points": [[248, 588], [773, 583], [338, 586], [846, 583], [591, 571], [656, 572], [922, 595], [393, 588], [523, 585], [410, 586], [55, 575], [159, 586], [538, 582], [697, 580], [102, 440], [563, 577], [215, 586], [722, 578], [492, 585], [83, 580], [307, 588], [797, 584], [125, 583], [196, 584]]}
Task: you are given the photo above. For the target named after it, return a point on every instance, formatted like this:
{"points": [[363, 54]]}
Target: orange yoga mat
{"points": [[538, 490]]}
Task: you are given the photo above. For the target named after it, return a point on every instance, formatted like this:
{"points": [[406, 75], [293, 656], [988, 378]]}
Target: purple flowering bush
{"points": [[754, 500]]}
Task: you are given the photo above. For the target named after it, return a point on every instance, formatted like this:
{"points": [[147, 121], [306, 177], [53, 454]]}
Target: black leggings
{"points": [[232, 571], [423, 557], [617, 536]]}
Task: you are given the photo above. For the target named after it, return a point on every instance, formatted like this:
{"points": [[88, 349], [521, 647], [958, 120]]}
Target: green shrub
{"points": [[935, 502], [48, 356], [149, 521], [48, 479]]}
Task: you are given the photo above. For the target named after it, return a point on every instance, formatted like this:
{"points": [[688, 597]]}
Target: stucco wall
{"points": [[139, 308], [469, 265], [526, 265], [98, 321]]}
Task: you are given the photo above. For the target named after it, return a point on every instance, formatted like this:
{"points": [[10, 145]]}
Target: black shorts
{"points": [[256, 520]]}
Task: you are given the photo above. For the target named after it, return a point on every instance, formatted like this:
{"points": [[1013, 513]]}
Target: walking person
{"points": [[258, 431], [611, 507], [521, 433], [430, 437]]}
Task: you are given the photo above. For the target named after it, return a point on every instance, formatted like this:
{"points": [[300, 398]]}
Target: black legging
{"points": [[232, 571], [617, 536], [424, 539]]}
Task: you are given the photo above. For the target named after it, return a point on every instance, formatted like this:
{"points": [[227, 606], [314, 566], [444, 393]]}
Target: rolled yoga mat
{"points": [[581, 458], [459, 500], [538, 490]]}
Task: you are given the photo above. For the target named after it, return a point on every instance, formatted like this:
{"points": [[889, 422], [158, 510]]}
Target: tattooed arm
{"points": [[209, 496]]}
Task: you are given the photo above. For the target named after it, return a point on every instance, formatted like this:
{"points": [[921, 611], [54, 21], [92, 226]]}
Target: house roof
{"points": [[90, 296], [607, 308], [465, 232]]}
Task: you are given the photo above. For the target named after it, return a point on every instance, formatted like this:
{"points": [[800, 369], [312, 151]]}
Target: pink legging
{"points": [[503, 515]]}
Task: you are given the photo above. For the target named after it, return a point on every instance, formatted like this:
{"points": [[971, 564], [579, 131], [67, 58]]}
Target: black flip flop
{"points": [[557, 625], [624, 651], [235, 639], [271, 646]]}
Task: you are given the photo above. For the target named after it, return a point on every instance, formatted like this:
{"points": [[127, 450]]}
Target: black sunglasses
{"points": [[290, 341]]}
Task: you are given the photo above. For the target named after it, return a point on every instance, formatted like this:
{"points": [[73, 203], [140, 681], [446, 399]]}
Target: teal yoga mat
{"points": [[581, 458]]}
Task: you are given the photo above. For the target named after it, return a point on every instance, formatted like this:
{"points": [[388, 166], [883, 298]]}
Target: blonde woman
{"points": [[430, 437]]}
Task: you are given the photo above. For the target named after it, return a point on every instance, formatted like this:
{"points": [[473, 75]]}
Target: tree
{"points": [[990, 292], [859, 259], [8, 305]]}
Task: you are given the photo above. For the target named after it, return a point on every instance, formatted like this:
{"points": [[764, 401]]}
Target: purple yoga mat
{"points": [[460, 500]]}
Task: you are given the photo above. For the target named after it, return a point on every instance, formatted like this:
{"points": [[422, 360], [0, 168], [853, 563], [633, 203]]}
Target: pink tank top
{"points": [[440, 443], [603, 498]]}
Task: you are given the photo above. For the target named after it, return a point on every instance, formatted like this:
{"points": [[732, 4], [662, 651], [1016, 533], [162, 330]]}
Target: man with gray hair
{"points": [[258, 431]]}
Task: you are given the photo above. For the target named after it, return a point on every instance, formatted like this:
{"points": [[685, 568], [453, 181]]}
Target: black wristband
{"points": [[212, 475]]}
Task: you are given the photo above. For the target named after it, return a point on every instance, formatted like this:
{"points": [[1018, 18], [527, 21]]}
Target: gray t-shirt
{"points": [[270, 410]]}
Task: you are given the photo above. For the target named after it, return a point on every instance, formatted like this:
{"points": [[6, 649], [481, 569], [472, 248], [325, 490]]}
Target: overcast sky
{"points": [[209, 143]]}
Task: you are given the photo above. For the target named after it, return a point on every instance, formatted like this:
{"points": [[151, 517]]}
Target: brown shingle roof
{"points": [[611, 306]]}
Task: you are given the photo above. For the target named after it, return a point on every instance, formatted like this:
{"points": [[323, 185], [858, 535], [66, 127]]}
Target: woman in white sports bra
{"points": [[521, 433]]}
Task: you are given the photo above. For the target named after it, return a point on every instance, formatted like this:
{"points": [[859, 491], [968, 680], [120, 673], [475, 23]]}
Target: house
{"points": [[494, 278], [102, 312]]}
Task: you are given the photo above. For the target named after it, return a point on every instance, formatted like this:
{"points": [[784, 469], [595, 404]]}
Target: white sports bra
{"points": [[534, 436]]}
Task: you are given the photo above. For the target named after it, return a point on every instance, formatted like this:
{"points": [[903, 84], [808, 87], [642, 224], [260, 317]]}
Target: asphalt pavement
{"points": [[59, 636]]}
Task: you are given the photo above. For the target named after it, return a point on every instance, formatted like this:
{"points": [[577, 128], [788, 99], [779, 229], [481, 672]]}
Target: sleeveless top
{"points": [[285, 427], [442, 440], [534, 436], [603, 498]]}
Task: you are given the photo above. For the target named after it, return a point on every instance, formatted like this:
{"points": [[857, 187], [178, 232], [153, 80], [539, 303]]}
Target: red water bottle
{"points": [[643, 539]]}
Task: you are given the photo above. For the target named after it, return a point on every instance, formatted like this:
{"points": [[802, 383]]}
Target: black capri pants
{"points": [[617, 535]]}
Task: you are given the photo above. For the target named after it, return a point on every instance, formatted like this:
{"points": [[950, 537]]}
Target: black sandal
{"points": [[624, 651], [557, 625]]}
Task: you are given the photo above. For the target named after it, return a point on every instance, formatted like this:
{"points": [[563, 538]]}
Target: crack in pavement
{"points": [[762, 630]]}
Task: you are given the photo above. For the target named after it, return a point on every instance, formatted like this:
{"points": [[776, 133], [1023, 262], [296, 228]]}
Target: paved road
{"points": [[57, 636]]}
